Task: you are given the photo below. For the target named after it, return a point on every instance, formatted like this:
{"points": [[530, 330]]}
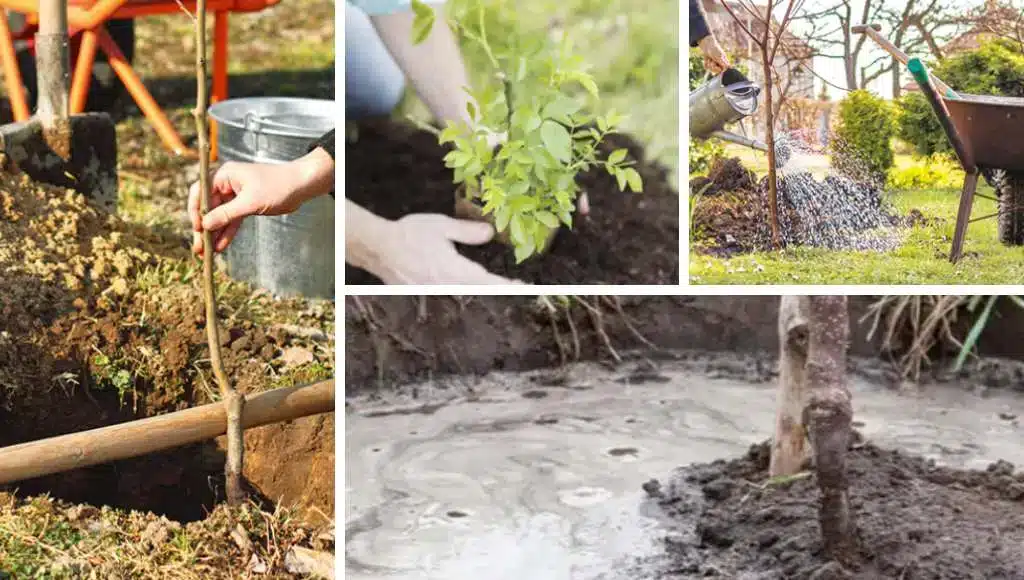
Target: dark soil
{"points": [[393, 340], [627, 238], [916, 521], [726, 174]]}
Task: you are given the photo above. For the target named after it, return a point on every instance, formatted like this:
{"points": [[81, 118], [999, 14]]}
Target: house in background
{"points": [[793, 63]]}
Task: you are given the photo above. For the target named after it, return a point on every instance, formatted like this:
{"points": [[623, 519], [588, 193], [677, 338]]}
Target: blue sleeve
{"points": [[382, 7], [698, 23]]}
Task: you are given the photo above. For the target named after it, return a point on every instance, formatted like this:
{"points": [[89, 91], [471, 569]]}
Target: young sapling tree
{"points": [[526, 187]]}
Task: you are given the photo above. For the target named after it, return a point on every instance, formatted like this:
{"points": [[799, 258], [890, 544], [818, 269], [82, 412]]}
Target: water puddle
{"points": [[512, 479]]}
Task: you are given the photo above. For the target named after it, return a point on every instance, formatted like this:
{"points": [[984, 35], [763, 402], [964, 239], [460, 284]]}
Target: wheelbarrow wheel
{"points": [[1011, 209], [105, 89]]}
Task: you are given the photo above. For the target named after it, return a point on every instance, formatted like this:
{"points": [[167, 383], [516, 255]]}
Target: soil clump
{"points": [[916, 520]]}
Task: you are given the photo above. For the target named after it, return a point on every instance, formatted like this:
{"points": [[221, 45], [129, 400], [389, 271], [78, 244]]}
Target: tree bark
{"points": [[773, 190], [828, 416], [789, 446]]}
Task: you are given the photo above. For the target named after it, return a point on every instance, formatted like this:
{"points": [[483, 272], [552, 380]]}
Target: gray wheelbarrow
{"points": [[973, 124]]}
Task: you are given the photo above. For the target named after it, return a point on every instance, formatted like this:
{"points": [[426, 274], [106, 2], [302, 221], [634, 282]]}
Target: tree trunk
{"points": [[789, 446], [897, 87], [828, 416], [773, 200]]}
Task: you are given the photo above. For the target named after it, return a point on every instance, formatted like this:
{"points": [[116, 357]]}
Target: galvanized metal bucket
{"points": [[289, 255]]}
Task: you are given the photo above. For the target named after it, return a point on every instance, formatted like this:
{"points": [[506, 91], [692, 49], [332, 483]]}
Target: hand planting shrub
{"points": [[867, 125], [995, 68], [526, 187]]}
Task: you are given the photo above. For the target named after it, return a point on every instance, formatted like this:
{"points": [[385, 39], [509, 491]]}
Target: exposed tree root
{"points": [[597, 320], [617, 305], [928, 320]]}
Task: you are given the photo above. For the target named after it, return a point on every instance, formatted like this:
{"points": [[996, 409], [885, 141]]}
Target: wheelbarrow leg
{"points": [[963, 215]]}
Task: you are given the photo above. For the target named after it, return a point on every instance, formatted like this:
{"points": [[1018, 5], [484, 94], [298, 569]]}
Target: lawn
{"points": [[921, 259]]}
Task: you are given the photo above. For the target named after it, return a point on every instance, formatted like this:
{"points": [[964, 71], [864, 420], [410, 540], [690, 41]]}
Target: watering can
{"points": [[724, 99]]}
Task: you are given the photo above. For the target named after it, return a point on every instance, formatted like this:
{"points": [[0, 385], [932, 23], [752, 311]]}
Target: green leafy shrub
{"points": [[995, 68], [703, 154], [867, 124], [528, 186], [937, 171]]}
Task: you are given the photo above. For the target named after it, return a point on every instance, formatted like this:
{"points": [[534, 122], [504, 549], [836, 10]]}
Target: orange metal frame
{"points": [[88, 18]]}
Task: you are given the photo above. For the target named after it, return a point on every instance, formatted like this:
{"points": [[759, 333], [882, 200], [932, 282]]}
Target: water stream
{"points": [[837, 210], [513, 480]]}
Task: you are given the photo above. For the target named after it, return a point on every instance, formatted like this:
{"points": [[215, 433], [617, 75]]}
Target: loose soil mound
{"points": [[916, 520], [726, 174], [101, 321], [627, 239]]}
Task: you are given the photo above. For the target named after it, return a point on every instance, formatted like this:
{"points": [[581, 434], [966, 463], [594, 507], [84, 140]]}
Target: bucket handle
{"points": [[252, 137], [254, 122]]}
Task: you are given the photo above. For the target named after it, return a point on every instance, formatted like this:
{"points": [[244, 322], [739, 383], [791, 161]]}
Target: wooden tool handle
{"points": [[873, 31], [52, 61], [136, 438]]}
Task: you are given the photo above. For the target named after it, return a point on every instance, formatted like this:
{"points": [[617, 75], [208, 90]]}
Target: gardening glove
{"points": [[715, 59], [416, 249], [239, 190]]}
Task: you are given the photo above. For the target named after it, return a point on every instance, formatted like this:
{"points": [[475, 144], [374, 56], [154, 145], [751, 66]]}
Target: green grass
{"points": [[921, 259], [632, 48]]}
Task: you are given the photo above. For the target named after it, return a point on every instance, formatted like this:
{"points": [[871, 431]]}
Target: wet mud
{"points": [[543, 475], [915, 520]]}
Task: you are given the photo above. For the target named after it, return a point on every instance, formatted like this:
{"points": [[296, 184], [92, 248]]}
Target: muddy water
{"points": [[509, 479]]}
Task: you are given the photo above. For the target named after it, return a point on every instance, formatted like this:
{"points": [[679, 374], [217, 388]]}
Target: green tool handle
{"points": [[924, 80]]}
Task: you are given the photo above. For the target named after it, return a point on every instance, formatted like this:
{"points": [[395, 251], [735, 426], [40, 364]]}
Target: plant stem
{"points": [[483, 36], [233, 400]]}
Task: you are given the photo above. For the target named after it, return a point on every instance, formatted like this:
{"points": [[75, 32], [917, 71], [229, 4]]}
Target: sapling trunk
{"points": [[773, 190], [233, 400], [789, 446], [828, 416]]}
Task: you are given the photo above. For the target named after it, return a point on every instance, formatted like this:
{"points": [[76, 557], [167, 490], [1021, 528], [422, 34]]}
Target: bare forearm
{"points": [[314, 174], [434, 67]]}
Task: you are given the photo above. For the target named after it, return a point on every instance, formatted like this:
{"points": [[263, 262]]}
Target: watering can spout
{"points": [[740, 140], [725, 99]]}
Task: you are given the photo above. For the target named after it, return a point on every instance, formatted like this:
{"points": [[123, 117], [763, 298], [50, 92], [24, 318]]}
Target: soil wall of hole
{"points": [[392, 340], [290, 463]]}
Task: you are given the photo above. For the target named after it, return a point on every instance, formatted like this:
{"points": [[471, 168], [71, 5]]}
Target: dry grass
{"points": [[914, 326], [45, 538]]}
